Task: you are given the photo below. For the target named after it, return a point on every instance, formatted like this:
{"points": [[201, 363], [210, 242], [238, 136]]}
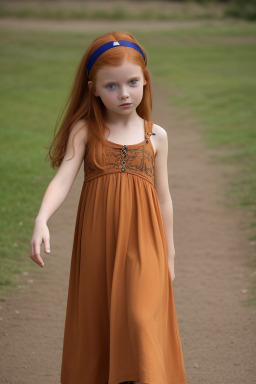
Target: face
{"points": [[119, 85]]}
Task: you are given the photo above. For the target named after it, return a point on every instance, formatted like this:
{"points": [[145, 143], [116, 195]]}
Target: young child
{"points": [[121, 323]]}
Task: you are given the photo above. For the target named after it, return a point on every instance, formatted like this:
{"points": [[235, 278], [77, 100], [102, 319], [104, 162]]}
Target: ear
{"points": [[90, 85], [144, 82]]}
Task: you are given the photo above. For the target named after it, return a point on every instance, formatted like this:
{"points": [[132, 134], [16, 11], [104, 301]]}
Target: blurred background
{"points": [[201, 55], [138, 9]]}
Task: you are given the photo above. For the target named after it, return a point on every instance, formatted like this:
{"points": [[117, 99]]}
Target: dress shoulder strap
{"points": [[148, 128]]}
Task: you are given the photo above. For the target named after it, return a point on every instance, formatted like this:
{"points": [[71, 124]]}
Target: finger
{"points": [[37, 258], [47, 248], [31, 254]]}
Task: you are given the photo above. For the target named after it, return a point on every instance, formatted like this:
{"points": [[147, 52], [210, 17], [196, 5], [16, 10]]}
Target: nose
{"points": [[124, 92]]}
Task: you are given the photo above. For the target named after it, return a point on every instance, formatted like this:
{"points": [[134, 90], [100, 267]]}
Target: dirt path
{"points": [[217, 329]]}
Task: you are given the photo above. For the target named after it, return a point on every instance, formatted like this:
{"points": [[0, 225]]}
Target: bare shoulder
{"points": [[160, 138], [159, 131]]}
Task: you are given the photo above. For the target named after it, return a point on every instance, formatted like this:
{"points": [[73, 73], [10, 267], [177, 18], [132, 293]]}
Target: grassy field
{"points": [[210, 70]]}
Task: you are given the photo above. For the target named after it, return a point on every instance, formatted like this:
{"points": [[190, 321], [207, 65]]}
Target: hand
{"points": [[41, 234], [171, 267]]}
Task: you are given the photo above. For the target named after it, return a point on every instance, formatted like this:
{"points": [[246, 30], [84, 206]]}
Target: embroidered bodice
{"points": [[138, 159]]}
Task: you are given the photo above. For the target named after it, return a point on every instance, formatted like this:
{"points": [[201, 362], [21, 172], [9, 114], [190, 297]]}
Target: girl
{"points": [[121, 323]]}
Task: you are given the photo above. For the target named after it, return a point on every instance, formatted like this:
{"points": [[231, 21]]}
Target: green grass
{"points": [[210, 71]]}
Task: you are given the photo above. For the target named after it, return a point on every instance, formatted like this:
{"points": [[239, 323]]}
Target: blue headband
{"points": [[105, 47]]}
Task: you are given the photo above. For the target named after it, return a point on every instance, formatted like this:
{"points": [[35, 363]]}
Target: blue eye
{"points": [[110, 85]]}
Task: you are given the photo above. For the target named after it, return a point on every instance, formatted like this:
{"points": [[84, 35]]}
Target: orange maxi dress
{"points": [[121, 321]]}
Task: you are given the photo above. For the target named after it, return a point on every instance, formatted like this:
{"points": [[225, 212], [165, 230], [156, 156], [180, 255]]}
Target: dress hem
{"points": [[142, 380], [131, 377]]}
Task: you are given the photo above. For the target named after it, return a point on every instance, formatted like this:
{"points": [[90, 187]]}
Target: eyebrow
{"points": [[113, 81]]}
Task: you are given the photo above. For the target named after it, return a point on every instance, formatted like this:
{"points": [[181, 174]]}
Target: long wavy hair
{"points": [[83, 105]]}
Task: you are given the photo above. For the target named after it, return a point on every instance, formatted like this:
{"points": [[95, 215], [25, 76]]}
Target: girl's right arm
{"points": [[57, 191]]}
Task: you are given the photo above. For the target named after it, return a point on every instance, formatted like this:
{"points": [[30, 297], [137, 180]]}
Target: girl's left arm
{"points": [[162, 188]]}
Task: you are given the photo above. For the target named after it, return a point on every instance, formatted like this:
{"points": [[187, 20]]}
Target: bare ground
{"points": [[211, 287]]}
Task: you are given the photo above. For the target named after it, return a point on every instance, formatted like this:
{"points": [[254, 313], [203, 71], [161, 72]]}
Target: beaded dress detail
{"points": [[137, 159], [121, 322]]}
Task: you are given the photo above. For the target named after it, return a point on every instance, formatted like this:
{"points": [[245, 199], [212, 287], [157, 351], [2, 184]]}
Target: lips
{"points": [[125, 104]]}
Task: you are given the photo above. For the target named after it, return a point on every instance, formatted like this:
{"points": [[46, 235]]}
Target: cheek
{"points": [[138, 93], [109, 97]]}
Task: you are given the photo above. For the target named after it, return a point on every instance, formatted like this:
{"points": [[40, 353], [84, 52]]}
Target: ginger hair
{"points": [[82, 105]]}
